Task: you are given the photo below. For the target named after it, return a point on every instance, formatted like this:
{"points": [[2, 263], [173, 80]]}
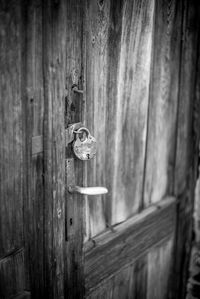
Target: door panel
{"points": [[163, 102], [113, 250], [12, 274], [148, 277], [159, 270], [118, 58], [129, 65], [130, 50], [130, 282]]}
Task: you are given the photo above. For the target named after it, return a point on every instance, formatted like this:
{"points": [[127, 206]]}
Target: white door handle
{"points": [[88, 190]]}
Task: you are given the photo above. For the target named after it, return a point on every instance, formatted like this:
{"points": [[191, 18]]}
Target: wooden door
{"points": [[124, 55], [135, 63]]}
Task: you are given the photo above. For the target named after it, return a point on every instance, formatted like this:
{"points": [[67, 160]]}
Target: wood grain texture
{"points": [[186, 98], [23, 295], [129, 283], [11, 144], [113, 250], [118, 54], [159, 266], [54, 58], [74, 287], [33, 164], [12, 274], [164, 88], [74, 237], [187, 153], [96, 28], [132, 107]]}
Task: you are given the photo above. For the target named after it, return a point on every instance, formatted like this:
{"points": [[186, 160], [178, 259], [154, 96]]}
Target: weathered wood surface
{"points": [[146, 278], [161, 138], [96, 28], [11, 143], [12, 274], [118, 56], [187, 146], [24, 295], [54, 57], [113, 250], [184, 152], [33, 163], [128, 283], [159, 270], [74, 168]]}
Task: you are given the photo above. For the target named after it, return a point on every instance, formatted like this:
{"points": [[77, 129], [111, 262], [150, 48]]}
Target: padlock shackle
{"points": [[79, 131]]}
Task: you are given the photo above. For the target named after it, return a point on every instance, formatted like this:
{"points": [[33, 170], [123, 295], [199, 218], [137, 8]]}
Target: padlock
{"points": [[85, 145]]}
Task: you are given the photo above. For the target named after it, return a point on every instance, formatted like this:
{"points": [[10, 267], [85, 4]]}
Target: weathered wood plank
{"points": [[184, 152], [187, 151], [74, 113], [33, 164], [54, 57], [130, 282], [96, 29], [159, 266], [113, 250], [133, 78], [11, 169], [118, 47], [164, 88], [12, 274]]}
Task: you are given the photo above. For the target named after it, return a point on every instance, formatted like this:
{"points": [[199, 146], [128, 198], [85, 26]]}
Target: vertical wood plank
{"points": [[131, 108], [119, 39], [187, 88], [159, 265], [130, 282], [164, 90], [74, 167], [96, 28], [33, 164], [187, 151], [12, 274], [11, 171], [54, 57]]}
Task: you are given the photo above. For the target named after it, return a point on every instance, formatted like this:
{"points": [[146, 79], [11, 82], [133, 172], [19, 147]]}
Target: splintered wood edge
{"points": [[128, 241]]}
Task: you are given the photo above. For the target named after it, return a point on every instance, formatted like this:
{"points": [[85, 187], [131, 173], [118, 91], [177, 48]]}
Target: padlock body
{"points": [[85, 150]]}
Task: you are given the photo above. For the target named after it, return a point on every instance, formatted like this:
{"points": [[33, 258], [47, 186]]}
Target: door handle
{"points": [[88, 190]]}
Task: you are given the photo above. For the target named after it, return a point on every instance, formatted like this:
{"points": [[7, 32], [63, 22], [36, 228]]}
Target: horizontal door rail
{"points": [[107, 253]]}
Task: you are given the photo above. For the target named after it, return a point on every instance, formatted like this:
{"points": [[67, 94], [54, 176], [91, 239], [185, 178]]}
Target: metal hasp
{"points": [[88, 190], [69, 132]]}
